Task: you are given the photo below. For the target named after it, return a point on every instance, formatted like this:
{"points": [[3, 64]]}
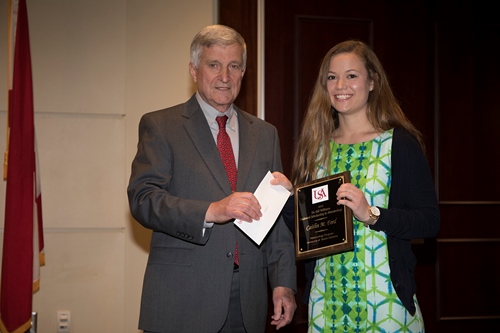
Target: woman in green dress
{"points": [[354, 123]]}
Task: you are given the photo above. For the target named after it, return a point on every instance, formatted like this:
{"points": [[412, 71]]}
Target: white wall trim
{"points": [[260, 60]]}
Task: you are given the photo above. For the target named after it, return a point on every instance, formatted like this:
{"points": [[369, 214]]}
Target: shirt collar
{"points": [[211, 113]]}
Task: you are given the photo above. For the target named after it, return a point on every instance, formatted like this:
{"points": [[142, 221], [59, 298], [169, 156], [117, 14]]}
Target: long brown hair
{"points": [[321, 119]]}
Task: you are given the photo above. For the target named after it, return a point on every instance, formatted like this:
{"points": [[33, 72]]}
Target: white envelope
{"points": [[272, 198]]}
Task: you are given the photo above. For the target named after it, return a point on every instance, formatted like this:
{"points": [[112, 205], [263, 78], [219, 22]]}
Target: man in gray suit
{"points": [[179, 189]]}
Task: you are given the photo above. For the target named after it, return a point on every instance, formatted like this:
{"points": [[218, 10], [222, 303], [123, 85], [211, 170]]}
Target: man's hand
{"points": [[239, 205], [284, 306]]}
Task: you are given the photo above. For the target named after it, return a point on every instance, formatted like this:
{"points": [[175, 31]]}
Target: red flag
{"points": [[23, 233]]}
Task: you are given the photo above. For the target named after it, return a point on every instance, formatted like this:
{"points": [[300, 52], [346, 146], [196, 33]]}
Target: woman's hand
{"points": [[280, 179], [352, 197]]}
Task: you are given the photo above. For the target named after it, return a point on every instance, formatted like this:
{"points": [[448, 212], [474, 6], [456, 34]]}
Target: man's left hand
{"points": [[284, 306]]}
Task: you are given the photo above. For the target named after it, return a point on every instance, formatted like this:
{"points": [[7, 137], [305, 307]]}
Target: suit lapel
{"points": [[248, 148], [200, 133]]}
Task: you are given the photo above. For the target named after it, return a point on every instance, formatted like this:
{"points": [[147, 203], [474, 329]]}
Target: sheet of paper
{"points": [[272, 198]]}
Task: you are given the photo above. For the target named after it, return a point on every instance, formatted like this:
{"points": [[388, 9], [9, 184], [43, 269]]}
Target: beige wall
{"points": [[97, 67]]}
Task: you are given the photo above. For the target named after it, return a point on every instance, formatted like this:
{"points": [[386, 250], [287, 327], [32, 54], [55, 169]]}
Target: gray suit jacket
{"points": [[176, 174]]}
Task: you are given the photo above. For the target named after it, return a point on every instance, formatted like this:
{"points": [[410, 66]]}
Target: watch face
{"points": [[375, 211]]}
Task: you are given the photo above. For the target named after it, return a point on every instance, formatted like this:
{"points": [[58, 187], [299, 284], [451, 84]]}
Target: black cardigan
{"points": [[413, 212]]}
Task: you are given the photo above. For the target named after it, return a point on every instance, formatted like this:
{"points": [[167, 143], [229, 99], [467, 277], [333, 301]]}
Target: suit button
{"points": [[229, 254]]}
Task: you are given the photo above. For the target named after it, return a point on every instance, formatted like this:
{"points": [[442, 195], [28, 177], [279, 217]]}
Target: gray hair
{"points": [[216, 35]]}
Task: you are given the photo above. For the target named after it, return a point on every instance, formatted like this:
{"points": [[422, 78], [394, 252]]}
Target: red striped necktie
{"points": [[227, 156], [226, 152]]}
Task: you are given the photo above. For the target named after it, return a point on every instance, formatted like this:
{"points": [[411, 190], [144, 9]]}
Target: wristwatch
{"points": [[374, 215]]}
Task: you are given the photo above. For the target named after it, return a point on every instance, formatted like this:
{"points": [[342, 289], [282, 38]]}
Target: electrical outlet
{"points": [[63, 321]]}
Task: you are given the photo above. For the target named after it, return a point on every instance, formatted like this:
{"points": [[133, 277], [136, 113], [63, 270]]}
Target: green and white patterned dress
{"points": [[352, 291]]}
